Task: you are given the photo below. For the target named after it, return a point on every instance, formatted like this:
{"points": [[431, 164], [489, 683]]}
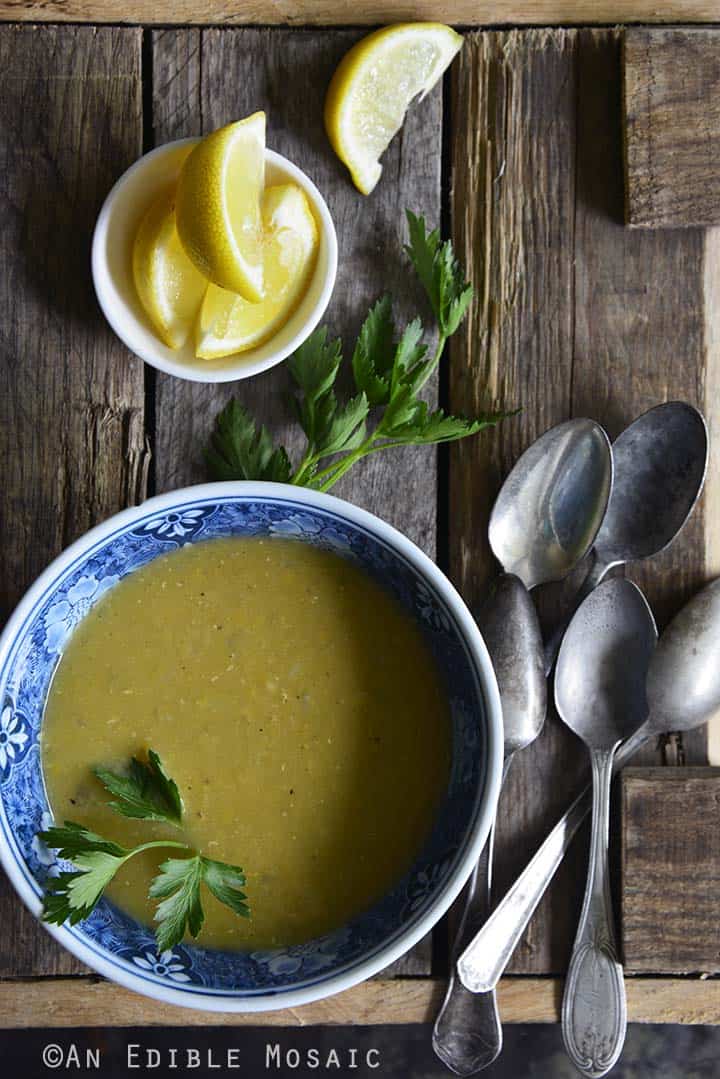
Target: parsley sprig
{"points": [[73, 895], [148, 793], [389, 372]]}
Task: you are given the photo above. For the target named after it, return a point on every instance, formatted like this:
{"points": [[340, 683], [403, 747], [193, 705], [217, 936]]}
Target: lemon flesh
{"points": [[228, 323], [373, 86], [170, 288], [218, 206]]}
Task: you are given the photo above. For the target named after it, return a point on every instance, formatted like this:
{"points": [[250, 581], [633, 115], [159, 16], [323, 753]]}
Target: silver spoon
{"points": [[551, 506], [659, 465], [543, 523], [683, 692], [600, 693], [467, 1035]]}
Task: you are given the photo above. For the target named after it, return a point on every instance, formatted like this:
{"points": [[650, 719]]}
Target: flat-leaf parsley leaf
{"points": [[178, 886], [145, 792]]}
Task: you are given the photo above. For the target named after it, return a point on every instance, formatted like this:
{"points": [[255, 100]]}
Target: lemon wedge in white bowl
{"points": [[112, 267], [218, 206], [228, 323], [170, 287]]}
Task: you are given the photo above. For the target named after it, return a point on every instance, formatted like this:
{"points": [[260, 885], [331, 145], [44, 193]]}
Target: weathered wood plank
{"points": [[71, 411], [711, 303], [89, 1002], [513, 208], [671, 101], [193, 93], [671, 870], [575, 315], [363, 12], [639, 315]]}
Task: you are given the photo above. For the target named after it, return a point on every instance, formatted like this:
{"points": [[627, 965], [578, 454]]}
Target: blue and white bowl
{"points": [[30, 648]]}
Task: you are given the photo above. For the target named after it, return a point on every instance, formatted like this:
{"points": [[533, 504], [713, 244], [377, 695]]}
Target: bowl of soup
{"points": [[318, 691]]}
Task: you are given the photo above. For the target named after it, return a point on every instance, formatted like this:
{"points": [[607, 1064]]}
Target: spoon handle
{"points": [[467, 1035], [481, 964], [594, 1012]]}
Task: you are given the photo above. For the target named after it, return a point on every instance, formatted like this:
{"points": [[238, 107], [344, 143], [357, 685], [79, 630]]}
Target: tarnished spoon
{"points": [[684, 678], [467, 1035], [600, 693], [659, 465], [552, 504], [543, 523], [683, 691]]}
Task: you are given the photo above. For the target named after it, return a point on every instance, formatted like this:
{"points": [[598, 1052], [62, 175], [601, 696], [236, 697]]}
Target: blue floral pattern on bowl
{"points": [[30, 662]]}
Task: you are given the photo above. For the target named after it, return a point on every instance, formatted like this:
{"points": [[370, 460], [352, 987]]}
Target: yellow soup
{"points": [[296, 705]]}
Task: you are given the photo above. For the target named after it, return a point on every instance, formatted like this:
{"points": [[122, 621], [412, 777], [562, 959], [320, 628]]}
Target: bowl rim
{"points": [[480, 828], [106, 291]]}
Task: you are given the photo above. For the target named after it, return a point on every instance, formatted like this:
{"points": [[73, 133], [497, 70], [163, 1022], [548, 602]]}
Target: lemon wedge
{"points": [[218, 206], [372, 87], [169, 286], [227, 322]]}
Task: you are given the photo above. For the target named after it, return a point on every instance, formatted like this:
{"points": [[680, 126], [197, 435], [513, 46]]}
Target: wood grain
{"points": [[193, 93], [71, 411], [671, 870], [671, 80], [363, 12], [91, 1002], [575, 315], [640, 323], [513, 210]]}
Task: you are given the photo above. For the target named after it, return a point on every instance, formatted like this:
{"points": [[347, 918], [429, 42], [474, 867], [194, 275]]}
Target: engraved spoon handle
{"points": [[594, 1012], [485, 958], [467, 1035]]}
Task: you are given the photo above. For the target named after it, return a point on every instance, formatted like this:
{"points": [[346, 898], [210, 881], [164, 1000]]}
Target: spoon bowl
{"points": [[600, 680], [660, 462], [659, 466], [551, 506], [684, 676]]}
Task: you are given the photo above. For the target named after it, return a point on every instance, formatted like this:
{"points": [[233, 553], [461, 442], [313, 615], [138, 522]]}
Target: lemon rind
{"points": [[220, 261]]}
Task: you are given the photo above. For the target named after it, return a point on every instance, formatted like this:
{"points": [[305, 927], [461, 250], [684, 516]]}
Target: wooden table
{"points": [[518, 155]]}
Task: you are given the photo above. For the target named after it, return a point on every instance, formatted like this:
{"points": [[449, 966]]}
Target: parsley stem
{"points": [[307, 462], [332, 473], [376, 447], [160, 843], [436, 359], [151, 845]]}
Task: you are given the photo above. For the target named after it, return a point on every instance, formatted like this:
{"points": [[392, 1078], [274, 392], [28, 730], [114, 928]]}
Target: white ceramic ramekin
{"points": [[113, 239]]}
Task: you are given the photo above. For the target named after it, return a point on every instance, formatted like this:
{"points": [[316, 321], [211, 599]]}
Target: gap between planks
{"points": [[87, 1002]]}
